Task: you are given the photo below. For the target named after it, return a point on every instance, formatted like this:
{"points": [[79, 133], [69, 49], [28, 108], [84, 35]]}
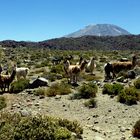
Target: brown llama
{"points": [[116, 67], [73, 71], [6, 80]]}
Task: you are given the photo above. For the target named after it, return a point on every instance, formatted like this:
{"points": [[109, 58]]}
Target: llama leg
{"points": [[75, 79], [71, 79]]}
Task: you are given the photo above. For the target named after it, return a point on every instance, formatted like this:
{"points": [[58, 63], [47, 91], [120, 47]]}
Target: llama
{"points": [[21, 72], [116, 67], [6, 80], [73, 71], [56, 60], [91, 66]]}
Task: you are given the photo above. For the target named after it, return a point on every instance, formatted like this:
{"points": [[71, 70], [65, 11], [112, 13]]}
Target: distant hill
{"points": [[99, 30], [125, 42]]}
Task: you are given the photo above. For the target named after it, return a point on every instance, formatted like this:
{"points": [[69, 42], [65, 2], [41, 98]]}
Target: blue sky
{"points": [[37, 20]]}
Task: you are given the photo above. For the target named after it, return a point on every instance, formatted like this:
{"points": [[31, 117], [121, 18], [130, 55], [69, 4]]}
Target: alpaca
{"points": [[116, 67], [91, 66], [73, 71], [21, 72], [6, 80]]}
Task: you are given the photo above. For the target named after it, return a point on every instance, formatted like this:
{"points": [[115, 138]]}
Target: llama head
{"points": [[66, 63], [83, 64]]}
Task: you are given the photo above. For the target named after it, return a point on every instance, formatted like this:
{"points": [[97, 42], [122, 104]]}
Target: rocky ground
{"points": [[110, 120]]}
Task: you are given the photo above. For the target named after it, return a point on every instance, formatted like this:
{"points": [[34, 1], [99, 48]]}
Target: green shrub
{"points": [[88, 90], [57, 69], [19, 85], [15, 127], [128, 96], [41, 91], [112, 89], [71, 126], [91, 103], [58, 89], [2, 102], [136, 129], [137, 83]]}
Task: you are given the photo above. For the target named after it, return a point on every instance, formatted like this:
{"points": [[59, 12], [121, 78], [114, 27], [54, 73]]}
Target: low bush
{"points": [[2, 102], [88, 90], [112, 89], [137, 83], [41, 91], [15, 127], [91, 103], [58, 89], [136, 129], [57, 69], [128, 96], [19, 85]]}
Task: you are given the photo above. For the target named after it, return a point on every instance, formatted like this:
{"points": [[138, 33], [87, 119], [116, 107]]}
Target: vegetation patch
{"points": [[137, 83], [41, 91], [91, 103], [19, 85], [58, 89], [112, 89], [87, 90], [15, 127], [2, 102], [128, 96]]}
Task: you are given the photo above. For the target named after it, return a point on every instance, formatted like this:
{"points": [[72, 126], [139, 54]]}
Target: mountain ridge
{"points": [[99, 30], [126, 42]]}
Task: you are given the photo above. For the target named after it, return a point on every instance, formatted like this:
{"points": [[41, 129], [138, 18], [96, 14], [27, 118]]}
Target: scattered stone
{"points": [[41, 97], [131, 74], [88, 118], [120, 79], [122, 129], [25, 113], [95, 116], [36, 104], [96, 129], [57, 97], [125, 80], [123, 138], [74, 134], [95, 122]]}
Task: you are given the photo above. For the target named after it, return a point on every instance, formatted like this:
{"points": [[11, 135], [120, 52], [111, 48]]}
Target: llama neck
{"points": [[12, 76], [92, 62], [82, 66]]}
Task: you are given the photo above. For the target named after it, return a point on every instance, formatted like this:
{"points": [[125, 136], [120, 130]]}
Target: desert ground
{"points": [[109, 120]]}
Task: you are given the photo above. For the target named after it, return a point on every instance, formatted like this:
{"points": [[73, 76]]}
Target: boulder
{"points": [[131, 74], [39, 82]]}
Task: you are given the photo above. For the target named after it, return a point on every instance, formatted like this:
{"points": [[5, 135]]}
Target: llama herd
{"points": [[72, 70], [110, 68]]}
